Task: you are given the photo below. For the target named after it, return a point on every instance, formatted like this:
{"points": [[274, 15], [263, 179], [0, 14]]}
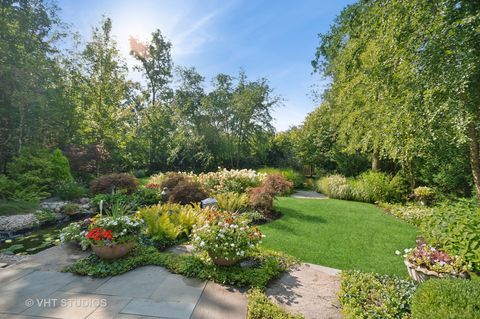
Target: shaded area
{"points": [[308, 289]]}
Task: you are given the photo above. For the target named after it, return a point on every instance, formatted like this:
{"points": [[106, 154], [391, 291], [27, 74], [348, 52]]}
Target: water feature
{"points": [[33, 241]]}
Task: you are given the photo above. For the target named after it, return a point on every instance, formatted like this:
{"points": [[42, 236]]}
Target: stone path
{"points": [[35, 288], [308, 194], [310, 290]]}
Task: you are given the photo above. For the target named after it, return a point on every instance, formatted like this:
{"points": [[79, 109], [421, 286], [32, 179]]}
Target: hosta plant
{"points": [[226, 237]]}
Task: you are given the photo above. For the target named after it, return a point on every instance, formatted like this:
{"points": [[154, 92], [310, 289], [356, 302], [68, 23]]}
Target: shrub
{"points": [[372, 187], [110, 200], [147, 196], [70, 190], [139, 173], [45, 216], [71, 209], [157, 179], [291, 175], [40, 170], [368, 295], [173, 179], [232, 202], [400, 188], [262, 197], [226, 235], [169, 222], [7, 187], [447, 298], [237, 181], [260, 307], [456, 228], [277, 183], [268, 266], [107, 184], [411, 213], [334, 186], [187, 192], [425, 195]]}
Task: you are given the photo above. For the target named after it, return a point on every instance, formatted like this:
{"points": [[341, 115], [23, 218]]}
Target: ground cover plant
{"points": [[260, 307], [267, 265], [339, 234], [455, 227], [369, 295]]}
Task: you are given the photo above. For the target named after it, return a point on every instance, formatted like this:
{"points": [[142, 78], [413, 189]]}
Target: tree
{"points": [[99, 91], [404, 77], [32, 108], [156, 65]]}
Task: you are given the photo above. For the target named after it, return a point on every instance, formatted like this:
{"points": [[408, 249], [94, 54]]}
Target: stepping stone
{"points": [[219, 302], [310, 290]]}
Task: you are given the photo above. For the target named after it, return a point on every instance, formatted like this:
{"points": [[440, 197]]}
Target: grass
{"points": [[340, 234], [17, 207]]}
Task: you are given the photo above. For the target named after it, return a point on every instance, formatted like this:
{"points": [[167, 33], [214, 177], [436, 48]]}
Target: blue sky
{"points": [[272, 39]]}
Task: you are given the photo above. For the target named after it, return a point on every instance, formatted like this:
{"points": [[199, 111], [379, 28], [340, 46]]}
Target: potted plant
{"points": [[226, 237], [425, 262], [113, 237], [74, 234]]}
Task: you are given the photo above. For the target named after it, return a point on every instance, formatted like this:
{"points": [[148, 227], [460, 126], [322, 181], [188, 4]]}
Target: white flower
{"points": [[202, 244], [397, 252]]}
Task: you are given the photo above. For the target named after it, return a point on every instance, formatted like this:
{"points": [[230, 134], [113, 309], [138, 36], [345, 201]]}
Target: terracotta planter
{"points": [[421, 274], [222, 261], [113, 252]]}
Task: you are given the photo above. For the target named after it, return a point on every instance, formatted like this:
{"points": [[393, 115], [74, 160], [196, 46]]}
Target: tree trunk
{"points": [[474, 148], [375, 161]]}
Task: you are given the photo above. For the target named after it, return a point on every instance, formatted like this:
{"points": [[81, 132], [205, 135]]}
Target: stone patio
{"points": [[35, 288]]}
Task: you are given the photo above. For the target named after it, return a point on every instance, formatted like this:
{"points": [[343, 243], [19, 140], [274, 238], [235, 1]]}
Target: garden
{"points": [[377, 189]]}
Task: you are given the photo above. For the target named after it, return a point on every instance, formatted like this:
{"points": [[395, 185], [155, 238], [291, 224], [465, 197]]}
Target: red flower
{"points": [[98, 233], [107, 234]]}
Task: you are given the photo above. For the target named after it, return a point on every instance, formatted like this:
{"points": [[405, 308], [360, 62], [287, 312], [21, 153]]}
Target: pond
{"points": [[34, 241]]}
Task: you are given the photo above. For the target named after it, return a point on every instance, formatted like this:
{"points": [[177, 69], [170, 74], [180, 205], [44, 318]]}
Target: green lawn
{"points": [[340, 234]]}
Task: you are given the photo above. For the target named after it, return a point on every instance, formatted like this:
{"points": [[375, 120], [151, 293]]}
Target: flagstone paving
{"points": [[35, 288]]}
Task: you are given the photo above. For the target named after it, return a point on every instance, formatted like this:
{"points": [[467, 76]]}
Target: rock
{"points": [[15, 223], [84, 201], [250, 263], [55, 206]]}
